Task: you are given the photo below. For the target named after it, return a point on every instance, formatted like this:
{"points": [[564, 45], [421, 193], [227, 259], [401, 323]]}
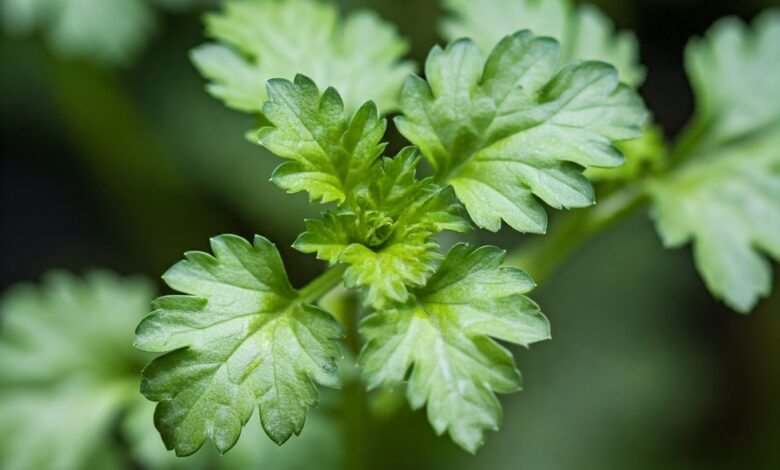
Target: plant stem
{"points": [[354, 400], [322, 284], [353, 405], [542, 256], [691, 136]]}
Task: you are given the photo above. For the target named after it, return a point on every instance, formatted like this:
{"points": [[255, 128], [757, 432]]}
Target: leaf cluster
{"points": [[502, 131], [718, 185]]}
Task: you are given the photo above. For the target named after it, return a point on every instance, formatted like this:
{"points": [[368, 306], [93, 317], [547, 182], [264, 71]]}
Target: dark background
{"points": [[128, 169]]}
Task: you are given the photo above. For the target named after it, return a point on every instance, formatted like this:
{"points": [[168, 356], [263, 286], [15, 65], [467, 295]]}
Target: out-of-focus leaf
{"points": [[725, 197], [67, 369], [359, 55], [728, 204], [733, 71], [109, 31], [584, 32], [106, 31]]}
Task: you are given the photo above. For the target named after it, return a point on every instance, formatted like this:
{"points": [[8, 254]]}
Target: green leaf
{"points": [[725, 197], [242, 338], [733, 72], [728, 204], [444, 335], [330, 154], [320, 443], [515, 126], [66, 357], [387, 236], [584, 32], [264, 39]]}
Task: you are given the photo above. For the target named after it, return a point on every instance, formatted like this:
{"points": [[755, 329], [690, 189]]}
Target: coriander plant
{"points": [[530, 104], [504, 131]]}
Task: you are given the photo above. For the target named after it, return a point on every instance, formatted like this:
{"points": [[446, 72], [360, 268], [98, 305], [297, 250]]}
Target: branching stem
{"points": [[542, 256]]}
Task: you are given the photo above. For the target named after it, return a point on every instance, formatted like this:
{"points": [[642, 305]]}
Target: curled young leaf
{"points": [[387, 236]]}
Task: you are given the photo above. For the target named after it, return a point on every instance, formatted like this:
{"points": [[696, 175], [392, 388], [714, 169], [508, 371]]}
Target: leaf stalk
{"points": [[322, 284]]}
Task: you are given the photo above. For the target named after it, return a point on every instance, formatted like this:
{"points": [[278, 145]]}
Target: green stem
{"points": [[691, 136], [322, 284], [541, 257], [354, 402], [353, 399]]}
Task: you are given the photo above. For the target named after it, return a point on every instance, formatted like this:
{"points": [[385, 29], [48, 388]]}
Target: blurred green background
{"points": [[126, 168]]}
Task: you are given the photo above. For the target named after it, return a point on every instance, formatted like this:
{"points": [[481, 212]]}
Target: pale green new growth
{"points": [[444, 335], [241, 339], [386, 219], [726, 197], [584, 32], [387, 236], [513, 126], [263, 39]]}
